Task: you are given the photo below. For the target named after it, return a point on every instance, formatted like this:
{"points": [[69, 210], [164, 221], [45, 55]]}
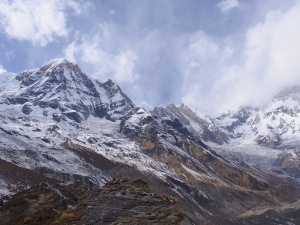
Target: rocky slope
{"points": [[120, 201], [57, 123]]}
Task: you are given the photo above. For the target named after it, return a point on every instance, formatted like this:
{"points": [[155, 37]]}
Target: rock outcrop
{"points": [[119, 202]]}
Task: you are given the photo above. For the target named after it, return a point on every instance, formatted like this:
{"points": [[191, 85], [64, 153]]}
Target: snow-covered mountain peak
{"points": [[56, 62], [200, 125], [274, 125], [57, 71], [194, 111], [61, 85], [110, 83]]}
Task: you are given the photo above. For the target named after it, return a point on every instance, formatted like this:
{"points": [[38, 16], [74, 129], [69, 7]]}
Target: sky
{"points": [[214, 55]]}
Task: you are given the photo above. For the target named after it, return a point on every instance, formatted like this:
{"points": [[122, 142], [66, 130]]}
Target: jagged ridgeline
{"points": [[77, 147]]}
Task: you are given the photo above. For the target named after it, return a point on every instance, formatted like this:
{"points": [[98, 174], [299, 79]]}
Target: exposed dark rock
{"points": [[267, 141], [101, 110], [74, 116], [120, 201], [26, 109], [43, 104], [21, 176], [46, 140], [131, 202], [9, 132], [56, 117], [53, 104]]}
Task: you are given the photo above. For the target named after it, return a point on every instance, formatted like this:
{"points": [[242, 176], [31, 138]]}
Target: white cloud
{"points": [[125, 65], [219, 76], [88, 52], [226, 5], [78, 8], [36, 21], [200, 61], [270, 62]]}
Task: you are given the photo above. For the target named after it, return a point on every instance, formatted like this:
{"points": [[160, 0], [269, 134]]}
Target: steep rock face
{"points": [[200, 125], [62, 86]]}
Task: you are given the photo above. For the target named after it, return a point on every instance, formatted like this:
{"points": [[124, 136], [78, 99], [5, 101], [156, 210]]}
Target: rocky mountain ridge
{"points": [[200, 125], [62, 125]]}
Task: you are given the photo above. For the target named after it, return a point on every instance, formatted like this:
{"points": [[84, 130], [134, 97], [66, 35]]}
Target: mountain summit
{"points": [[200, 125], [62, 87], [277, 125]]}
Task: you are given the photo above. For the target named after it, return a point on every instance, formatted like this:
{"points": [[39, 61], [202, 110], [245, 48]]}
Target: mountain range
{"points": [[58, 126]]}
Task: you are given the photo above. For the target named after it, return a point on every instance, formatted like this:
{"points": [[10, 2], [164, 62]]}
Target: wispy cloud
{"points": [[217, 79], [227, 5], [198, 70], [39, 22], [270, 59], [88, 50]]}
